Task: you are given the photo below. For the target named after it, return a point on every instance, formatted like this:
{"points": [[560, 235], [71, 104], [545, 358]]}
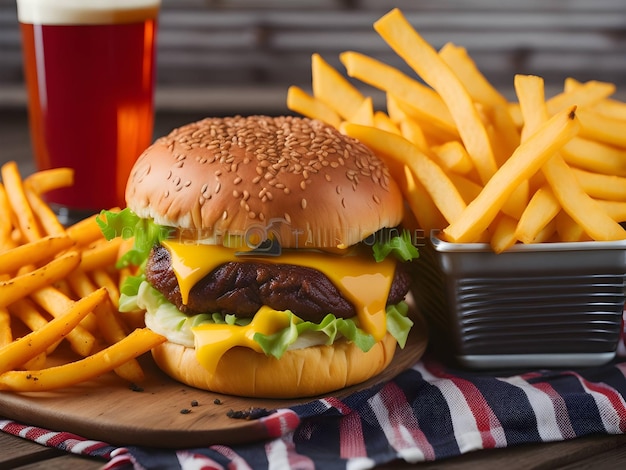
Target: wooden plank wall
{"points": [[243, 54]]}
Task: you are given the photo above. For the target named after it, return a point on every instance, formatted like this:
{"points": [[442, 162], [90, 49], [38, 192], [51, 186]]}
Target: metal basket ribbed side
{"points": [[550, 305]]}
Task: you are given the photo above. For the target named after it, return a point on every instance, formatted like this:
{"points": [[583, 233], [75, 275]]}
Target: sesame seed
{"points": [[303, 203], [237, 180]]}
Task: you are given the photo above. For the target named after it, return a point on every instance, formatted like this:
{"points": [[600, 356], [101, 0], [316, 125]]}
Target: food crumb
{"points": [[135, 388], [185, 411], [194, 403], [250, 414], [217, 401]]}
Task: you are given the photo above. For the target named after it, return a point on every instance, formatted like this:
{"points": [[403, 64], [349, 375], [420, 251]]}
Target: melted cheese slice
{"points": [[364, 282]]}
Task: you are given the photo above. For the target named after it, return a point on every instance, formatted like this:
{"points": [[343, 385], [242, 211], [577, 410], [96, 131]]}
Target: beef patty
{"points": [[244, 287]]}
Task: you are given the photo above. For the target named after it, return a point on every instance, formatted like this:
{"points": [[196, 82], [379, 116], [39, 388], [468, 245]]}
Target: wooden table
{"points": [[584, 453]]}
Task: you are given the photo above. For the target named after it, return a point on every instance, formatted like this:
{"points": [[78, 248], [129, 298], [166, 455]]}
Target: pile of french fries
{"points": [[59, 323], [472, 164]]}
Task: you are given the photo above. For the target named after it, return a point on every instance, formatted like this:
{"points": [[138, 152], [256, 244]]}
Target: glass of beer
{"points": [[90, 69]]}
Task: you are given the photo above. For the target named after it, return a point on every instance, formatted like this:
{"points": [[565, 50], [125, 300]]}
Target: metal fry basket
{"points": [[542, 305]]}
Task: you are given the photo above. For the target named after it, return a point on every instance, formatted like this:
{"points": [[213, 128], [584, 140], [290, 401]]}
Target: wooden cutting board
{"points": [[165, 413]]}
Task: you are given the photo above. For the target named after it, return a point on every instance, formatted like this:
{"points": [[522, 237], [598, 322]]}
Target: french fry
{"points": [[453, 156], [81, 285], [570, 194], [384, 122], [33, 253], [466, 187], [601, 128], [25, 348], [601, 186], [541, 209], [102, 278], [86, 231], [426, 62], [412, 132], [525, 161], [330, 87], [424, 101], [503, 236], [426, 212], [36, 363], [391, 146], [301, 102], [595, 156], [22, 285], [568, 229], [6, 221], [547, 233], [582, 96], [101, 254], [616, 210], [17, 198], [6, 335], [583, 209], [46, 180], [47, 219], [518, 200], [113, 330], [66, 375], [56, 304], [611, 108], [485, 93], [395, 112], [27, 313], [364, 114]]}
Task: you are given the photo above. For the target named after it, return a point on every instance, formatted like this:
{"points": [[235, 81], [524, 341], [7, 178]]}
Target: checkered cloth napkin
{"points": [[426, 413]]}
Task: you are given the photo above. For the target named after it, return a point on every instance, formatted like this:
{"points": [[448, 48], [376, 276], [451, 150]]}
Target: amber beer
{"points": [[89, 68]]}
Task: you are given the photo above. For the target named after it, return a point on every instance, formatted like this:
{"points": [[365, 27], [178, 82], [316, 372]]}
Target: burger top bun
{"points": [[314, 186]]}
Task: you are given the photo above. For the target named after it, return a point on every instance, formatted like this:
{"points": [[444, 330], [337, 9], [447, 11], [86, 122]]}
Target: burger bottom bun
{"points": [[298, 373]]}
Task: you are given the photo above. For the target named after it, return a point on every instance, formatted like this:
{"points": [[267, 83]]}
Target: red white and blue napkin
{"points": [[428, 412]]}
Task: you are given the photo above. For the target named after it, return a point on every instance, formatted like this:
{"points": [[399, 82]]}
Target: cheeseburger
{"points": [[269, 255]]}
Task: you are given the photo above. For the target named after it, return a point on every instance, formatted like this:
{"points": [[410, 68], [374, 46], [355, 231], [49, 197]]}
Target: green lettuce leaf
{"points": [[399, 246], [167, 320], [127, 224]]}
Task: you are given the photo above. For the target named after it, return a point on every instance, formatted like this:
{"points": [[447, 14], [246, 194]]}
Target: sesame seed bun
{"points": [[228, 175]]}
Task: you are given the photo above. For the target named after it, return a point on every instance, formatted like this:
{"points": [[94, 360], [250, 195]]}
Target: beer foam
{"points": [[74, 12]]}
